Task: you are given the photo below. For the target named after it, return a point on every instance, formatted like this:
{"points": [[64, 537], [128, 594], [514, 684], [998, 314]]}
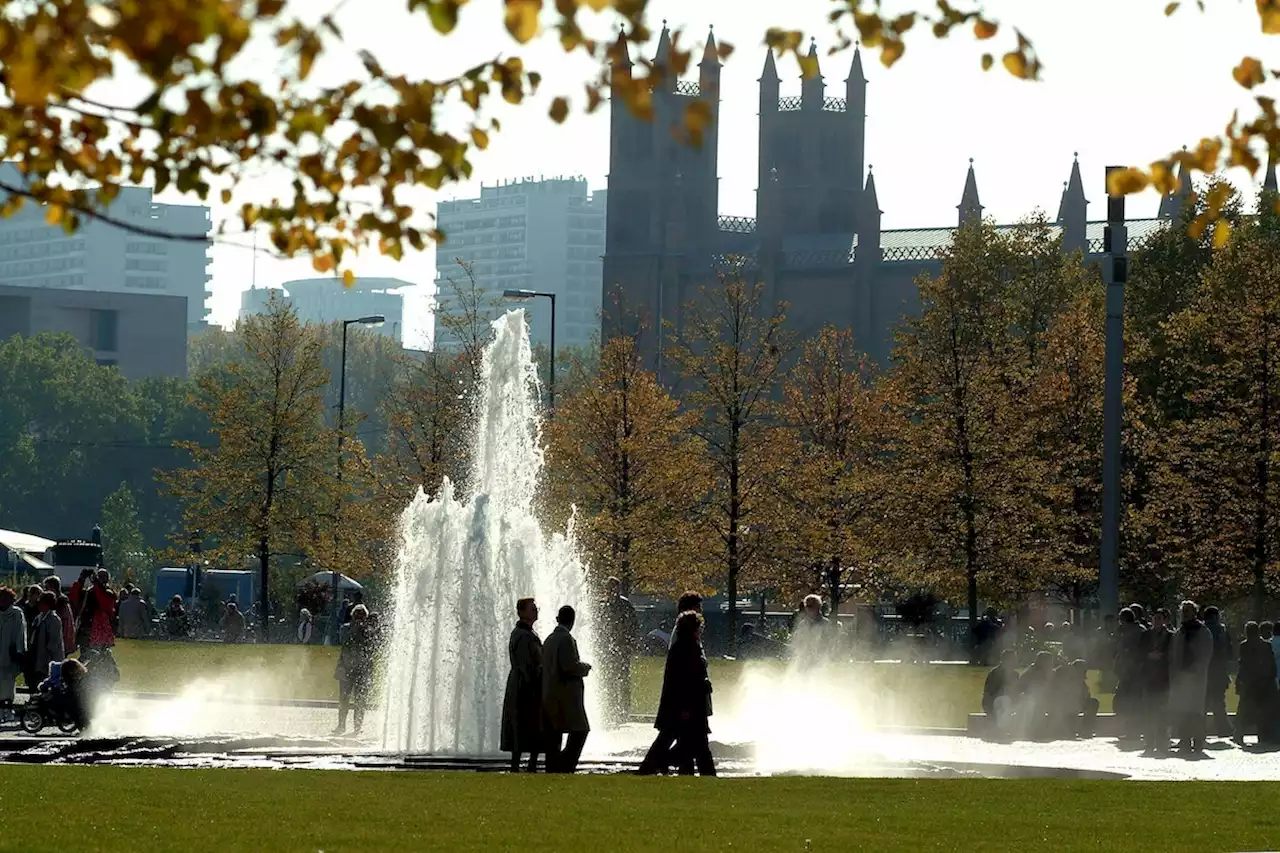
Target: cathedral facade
{"points": [[815, 243]]}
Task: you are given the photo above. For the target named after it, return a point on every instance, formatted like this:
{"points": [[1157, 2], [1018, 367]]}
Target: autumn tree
{"points": [[839, 421], [1065, 414], [1226, 450], [963, 517], [269, 478], [618, 451], [730, 351]]}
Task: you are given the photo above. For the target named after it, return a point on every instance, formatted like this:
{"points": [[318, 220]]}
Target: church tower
{"points": [[663, 196], [816, 147]]}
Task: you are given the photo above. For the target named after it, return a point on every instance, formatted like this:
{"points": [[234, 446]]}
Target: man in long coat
{"points": [[564, 695], [1189, 657], [522, 703]]}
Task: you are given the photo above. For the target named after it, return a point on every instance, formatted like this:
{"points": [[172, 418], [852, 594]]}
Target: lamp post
{"points": [[1115, 272], [370, 320], [526, 296]]}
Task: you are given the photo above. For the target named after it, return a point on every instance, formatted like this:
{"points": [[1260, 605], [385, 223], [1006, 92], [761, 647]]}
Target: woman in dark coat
{"points": [[522, 703], [1256, 684], [685, 706]]}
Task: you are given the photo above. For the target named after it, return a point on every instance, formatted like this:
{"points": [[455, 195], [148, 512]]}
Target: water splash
{"points": [[464, 562]]}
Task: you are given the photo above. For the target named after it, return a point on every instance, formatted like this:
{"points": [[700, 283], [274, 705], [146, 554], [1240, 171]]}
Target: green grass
{"points": [[900, 694], [126, 809]]}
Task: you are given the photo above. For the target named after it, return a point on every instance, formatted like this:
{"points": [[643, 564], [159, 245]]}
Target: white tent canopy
{"points": [[25, 542], [345, 584]]}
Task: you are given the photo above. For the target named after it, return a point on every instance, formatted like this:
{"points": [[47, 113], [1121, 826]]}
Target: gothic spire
{"points": [[1073, 199], [870, 202], [663, 55], [710, 55], [970, 206], [621, 54], [856, 77], [770, 72]]}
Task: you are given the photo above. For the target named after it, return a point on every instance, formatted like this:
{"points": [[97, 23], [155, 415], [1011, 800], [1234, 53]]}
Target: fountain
{"points": [[463, 562]]}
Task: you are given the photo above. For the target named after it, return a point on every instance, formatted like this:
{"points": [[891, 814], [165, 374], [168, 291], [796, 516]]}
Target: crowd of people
{"points": [[1169, 677], [43, 626]]}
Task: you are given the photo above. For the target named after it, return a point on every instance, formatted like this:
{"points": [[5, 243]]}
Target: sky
{"points": [[1123, 84]]}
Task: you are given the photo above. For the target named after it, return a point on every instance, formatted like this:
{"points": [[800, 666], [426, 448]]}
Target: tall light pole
{"points": [[370, 320], [526, 296], [1115, 271]]}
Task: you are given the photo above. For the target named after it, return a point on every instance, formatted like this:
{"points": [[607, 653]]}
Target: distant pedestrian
{"points": [[232, 624], [1155, 684], [1220, 666], [176, 623], [355, 669], [522, 702], [98, 614], [133, 616], [306, 626], [1189, 656], [13, 649], [564, 696], [65, 615], [46, 640], [1256, 684]]}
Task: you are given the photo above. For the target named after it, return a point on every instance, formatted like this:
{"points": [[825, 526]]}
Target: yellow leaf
{"points": [[891, 52], [53, 214], [480, 138], [983, 29], [522, 19], [226, 196], [1171, 8], [1269, 14], [559, 110], [1221, 233], [1127, 182], [1249, 73], [1016, 63], [987, 61], [443, 15], [348, 277]]}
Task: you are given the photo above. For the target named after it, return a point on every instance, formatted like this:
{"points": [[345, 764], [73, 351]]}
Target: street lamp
{"points": [[526, 296], [370, 320]]}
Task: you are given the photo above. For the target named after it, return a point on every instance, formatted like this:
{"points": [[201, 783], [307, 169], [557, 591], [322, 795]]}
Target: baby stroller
{"points": [[56, 702]]}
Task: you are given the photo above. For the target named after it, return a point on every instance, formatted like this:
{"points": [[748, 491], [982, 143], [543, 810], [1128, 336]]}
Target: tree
{"points": [[426, 416], [123, 548], [1225, 452], [618, 451], [269, 481], [730, 351], [1066, 415], [836, 479], [963, 515], [70, 430]]}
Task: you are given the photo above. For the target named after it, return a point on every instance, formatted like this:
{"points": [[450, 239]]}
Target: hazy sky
{"points": [[1123, 84]]}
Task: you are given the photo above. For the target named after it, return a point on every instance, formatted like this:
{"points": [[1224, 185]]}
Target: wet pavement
{"points": [[203, 731]]}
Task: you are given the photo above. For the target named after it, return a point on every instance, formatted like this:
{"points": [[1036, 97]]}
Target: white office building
{"points": [[326, 300], [105, 257], [543, 235]]}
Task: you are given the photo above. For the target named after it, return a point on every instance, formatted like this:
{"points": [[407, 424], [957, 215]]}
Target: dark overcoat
{"points": [[522, 702]]}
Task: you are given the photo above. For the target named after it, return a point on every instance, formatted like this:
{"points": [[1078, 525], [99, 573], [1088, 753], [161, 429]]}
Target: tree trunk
{"points": [[264, 593]]}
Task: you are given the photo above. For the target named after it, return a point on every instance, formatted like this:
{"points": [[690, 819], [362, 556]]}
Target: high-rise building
{"points": [[541, 235], [143, 334], [815, 243], [326, 300], [102, 256]]}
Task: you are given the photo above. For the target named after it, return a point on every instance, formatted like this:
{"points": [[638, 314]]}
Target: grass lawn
{"points": [[901, 694], [127, 809]]}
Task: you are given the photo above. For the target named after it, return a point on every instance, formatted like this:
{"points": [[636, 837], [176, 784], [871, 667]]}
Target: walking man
{"points": [[1190, 653], [522, 703], [564, 696]]}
